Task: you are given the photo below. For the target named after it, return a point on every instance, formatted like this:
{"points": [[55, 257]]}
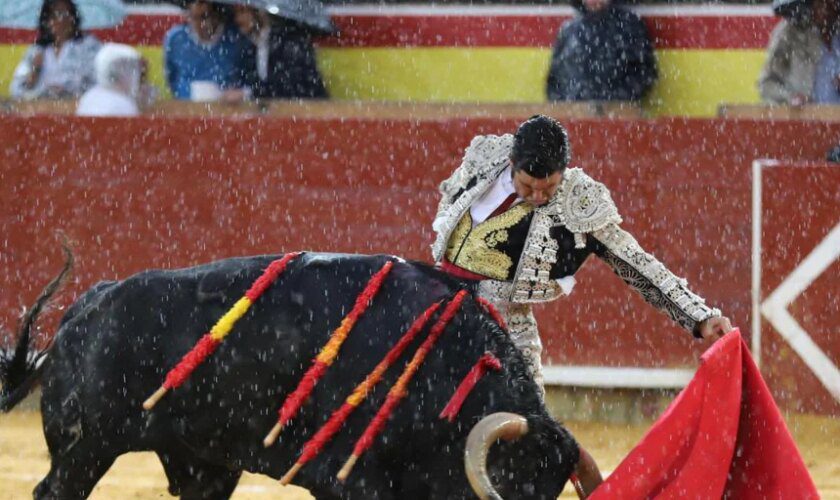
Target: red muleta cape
{"points": [[722, 437]]}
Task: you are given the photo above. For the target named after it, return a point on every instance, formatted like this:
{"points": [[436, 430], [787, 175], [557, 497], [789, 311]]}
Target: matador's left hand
{"points": [[716, 327]]}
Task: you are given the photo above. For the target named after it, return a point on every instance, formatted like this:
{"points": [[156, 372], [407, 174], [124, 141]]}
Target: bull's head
{"points": [[539, 457]]}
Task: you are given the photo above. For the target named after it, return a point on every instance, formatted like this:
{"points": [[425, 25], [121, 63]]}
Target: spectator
{"points": [[119, 71], [60, 64], [795, 47], [284, 65], [205, 49], [603, 54], [827, 78]]}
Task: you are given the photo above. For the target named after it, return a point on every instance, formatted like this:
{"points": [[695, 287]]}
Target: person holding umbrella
{"points": [[60, 63], [795, 46], [283, 56]]}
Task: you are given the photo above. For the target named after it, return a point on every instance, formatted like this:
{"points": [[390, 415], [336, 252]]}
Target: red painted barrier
{"points": [[154, 192], [800, 283]]}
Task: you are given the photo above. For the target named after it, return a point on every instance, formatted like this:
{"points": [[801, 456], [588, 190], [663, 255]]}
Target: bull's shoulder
{"points": [[89, 298], [219, 280]]}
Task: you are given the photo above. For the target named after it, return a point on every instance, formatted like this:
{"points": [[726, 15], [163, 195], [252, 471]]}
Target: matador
{"points": [[517, 224]]}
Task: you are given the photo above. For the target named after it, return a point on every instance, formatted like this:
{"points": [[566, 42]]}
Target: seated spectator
{"points": [[119, 71], [827, 78], [60, 64], [205, 49], [603, 54], [284, 65], [795, 46]]}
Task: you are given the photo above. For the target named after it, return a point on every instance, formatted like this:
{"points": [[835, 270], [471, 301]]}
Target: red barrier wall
{"points": [[152, 192], [800, 208]]}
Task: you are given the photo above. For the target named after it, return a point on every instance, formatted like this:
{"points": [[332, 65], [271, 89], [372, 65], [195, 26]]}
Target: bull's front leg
{"points": [[193, 478]]}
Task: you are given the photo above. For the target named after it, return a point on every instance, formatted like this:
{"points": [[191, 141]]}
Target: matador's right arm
{"points": [[588, 211]]}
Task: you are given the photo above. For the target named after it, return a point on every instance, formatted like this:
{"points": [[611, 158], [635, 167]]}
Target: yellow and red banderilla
{"points": [[208, 343], [400, 388], [314, 446], [327, 355]]}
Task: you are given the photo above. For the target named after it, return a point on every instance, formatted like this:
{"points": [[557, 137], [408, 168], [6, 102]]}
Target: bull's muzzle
{"points": [[507, 426]]}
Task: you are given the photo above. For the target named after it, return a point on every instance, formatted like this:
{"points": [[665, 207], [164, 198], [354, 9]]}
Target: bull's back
{"points": [[120, 338]]}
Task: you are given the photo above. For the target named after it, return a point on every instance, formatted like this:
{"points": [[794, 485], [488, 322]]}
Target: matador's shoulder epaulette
{"points": [[485, 152], [584, 205], [482, 158]]}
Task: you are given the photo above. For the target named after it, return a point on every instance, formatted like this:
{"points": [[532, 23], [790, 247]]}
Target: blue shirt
{"points": [[825, 79], [186, 60]]}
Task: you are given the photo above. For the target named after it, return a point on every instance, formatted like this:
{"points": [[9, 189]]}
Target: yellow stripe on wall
{"points": [[692, 82], [695, 82], [436, 74], [155, 57], [10, 56]]}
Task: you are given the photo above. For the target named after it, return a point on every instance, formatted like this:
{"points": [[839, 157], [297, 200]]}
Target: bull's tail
{"points": [[20, 368]]}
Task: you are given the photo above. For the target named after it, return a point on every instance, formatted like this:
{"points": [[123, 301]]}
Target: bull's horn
{"points": [[507, 426]]}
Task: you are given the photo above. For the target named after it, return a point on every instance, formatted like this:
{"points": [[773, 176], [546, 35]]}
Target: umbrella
{"points": [[312, 13], [94, 13]]}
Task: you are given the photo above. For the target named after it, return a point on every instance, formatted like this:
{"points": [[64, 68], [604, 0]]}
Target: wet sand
{"points": [[24, 460]]}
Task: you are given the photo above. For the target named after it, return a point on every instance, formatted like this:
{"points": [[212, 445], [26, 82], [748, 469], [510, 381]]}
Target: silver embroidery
{"points": [[494, 290], [583, 205], [659, 286], [522, 328], [531, 280], [483, 160]]}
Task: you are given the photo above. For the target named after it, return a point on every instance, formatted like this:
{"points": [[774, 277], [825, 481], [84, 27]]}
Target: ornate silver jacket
{"points": [[585, 208]]}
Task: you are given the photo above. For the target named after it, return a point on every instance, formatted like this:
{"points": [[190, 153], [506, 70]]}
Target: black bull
{"points": [[116, 343]]}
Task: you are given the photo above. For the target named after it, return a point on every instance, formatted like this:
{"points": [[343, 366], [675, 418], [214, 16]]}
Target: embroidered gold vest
{"points": [[489, 248]]}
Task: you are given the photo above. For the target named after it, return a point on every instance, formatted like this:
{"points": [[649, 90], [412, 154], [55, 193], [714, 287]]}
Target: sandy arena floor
{"points": [[24, 460]]}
